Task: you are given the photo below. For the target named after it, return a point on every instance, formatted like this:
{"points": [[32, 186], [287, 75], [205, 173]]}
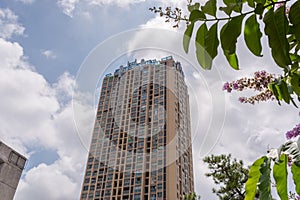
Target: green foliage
{"points": [[192, 196], [296, 177], [282, 31], [295, 82], [194, 7], [229, 174], [206, 45], [294, 16], [187, 37], [210, 7], [202, 56], [253, 180], [211, 41], [264, 185], [280, 175], [282, 28], [229, 34], [196, 15], [260, 172], [276, 29], [281, 90], [252, 35]]}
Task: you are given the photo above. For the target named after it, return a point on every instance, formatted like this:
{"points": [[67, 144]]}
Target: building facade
{"points": [[11, 167], [141, 142]]}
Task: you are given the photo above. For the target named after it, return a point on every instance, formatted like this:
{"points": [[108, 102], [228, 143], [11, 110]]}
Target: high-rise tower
{"points": [[141, 143]]}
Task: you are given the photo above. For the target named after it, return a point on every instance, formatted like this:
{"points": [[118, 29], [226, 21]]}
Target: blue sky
{"points": [[71, 38], [43, 44]]}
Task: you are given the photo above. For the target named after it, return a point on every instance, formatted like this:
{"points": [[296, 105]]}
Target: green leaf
{"points": [[294, 68], [203, 58], [295, 57], [232, 60], [296, 177], [280, 175], [252, 35], [259, 9], [279, 92], [297, 48], [295, 82], [212, 41], [232, 5], [187, 37], [264, 185], [276, 30], [284, 91], [269, 2], [194, 7], [253, 178], [260, 1], [210, 7], [229, 34], [228, 10], [251, 3], [294, 16], [273, 88], [207, 45], [196, 15], [201, 33]]}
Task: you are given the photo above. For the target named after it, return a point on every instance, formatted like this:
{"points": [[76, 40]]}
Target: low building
{"points": [[11, 167]]}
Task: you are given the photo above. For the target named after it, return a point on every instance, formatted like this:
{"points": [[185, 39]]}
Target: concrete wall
{"points": [[11, 167]]}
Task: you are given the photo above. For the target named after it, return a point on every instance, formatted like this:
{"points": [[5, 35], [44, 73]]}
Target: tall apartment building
{"points": [[141, 142], [11, 167]]}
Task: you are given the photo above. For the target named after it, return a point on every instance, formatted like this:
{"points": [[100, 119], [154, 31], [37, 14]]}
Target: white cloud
{"points": [[9, 25], [10, 55], [120, 3], [36, 114], [65, 86], [48, 54], [248, 130], [41, 181], [67, 6]]}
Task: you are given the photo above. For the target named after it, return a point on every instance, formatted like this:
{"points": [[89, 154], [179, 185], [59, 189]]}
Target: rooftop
{"points": [[135, 64]]}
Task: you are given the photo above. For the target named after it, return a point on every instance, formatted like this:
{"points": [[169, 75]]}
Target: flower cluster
{"points": [[259, 82], [295, 132]]}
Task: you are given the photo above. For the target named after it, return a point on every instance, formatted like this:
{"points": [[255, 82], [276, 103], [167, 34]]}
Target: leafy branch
{"points": [[171, 14], [260, 172], [281, 26], [282, 29]]}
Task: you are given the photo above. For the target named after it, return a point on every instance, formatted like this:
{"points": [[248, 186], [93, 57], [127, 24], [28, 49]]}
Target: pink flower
{"points": [[295, 132], [260, 82]]}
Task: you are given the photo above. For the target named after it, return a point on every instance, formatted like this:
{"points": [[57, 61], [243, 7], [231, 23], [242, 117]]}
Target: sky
{"points": [[53, 54]]}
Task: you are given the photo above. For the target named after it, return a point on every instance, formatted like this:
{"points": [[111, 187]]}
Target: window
{"points": [[153, 197], [137, 189], [13, 157], [85, 188]]}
